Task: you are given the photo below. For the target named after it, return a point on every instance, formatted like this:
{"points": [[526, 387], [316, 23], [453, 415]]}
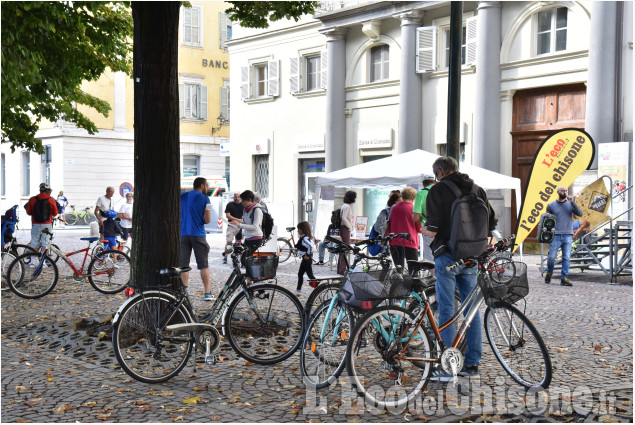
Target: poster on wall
{"points": [[361, 224], [613, 162]]}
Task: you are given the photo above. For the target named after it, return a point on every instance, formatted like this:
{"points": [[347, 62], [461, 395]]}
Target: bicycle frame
{"points": [[71, 264]]}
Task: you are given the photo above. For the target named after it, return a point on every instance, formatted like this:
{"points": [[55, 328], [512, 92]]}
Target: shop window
{"points": [[191, 165]]}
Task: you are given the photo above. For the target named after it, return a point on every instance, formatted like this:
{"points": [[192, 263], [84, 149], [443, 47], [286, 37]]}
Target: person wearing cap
{"points": [[419, 215], [63, 202], [40, 222]]}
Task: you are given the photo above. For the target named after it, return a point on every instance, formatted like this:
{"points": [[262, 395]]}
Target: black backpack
{"points": [[336, 218], [469, 218], [267, 224], [41, 210]]}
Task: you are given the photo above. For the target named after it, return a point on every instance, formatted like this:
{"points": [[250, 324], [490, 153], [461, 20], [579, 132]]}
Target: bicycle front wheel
{"points": [[271, 330], [143, 347], [7, 259], [502, 270], [323, 293], [284, 249], [323, 351], [29, 277], [375, 357], [20, 249], [109, 271], [518, 346]]}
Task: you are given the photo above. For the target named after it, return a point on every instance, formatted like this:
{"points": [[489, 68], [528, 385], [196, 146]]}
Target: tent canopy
{"points": [[408, 169]]}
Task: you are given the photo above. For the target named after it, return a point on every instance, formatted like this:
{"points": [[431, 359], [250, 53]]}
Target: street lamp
{"points": [[221, 122]]}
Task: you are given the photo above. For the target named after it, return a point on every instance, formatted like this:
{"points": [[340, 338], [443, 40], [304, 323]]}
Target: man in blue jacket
{"points": [[563, 208]]}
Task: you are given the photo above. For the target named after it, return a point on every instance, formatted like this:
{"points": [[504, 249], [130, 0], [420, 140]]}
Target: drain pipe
{"points": [[619, 37]]}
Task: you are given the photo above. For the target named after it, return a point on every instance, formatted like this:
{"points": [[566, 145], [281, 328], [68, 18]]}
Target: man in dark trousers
{"points": [[196, 212], [42, 208], [438, 216], [563, 208], [233, 211]]}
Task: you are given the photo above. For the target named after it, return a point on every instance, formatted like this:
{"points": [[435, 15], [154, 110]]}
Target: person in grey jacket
{"points": [[251, 224], [563, 208]]}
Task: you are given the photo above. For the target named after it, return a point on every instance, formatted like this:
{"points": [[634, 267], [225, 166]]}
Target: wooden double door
{"points": [[536, 114]]}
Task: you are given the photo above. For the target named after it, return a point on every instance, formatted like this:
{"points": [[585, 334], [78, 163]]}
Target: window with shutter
{"points": [[182, 100], [470, 41], [224, 102], [192, 26], [324, 66], [426, 49], [225, 29], [261, 80], [313, 71], [273, 88], [202, 113], [261, 177], [244, 82], [294, 75], [193, 101]]}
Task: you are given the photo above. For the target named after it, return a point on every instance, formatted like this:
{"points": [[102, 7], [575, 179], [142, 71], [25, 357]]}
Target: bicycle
{"points": [[35, 274], [101, 246], [322, 355], [390, 355], [286, 246], [84, 216], [154, 331]]}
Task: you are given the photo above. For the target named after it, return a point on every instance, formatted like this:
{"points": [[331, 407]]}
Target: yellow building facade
{"points": [[84, 165]]}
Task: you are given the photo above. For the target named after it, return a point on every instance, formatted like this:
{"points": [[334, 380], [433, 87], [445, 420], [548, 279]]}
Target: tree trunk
{"points": [[157, 211]]}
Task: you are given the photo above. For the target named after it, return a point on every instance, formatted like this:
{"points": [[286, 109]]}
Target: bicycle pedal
{"points": [[211, 359]]}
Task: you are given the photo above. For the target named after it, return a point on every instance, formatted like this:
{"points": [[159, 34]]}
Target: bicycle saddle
{"points": [[174, 271], [290, 229], [420, 265]]}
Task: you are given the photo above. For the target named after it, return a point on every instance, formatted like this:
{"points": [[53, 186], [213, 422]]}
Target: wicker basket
{"points": [[261, 266], [510, 292]]}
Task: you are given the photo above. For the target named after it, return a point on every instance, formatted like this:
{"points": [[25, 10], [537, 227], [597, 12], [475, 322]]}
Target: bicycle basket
{"points": [[374, 287], [261, 266], [510, 291]]}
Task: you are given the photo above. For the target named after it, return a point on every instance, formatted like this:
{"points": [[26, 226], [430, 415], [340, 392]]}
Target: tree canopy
{"points": [[48, 50], [257, 14]]}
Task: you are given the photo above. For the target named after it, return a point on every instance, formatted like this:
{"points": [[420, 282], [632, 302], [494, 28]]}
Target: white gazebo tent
{"points": [[408, 169]]}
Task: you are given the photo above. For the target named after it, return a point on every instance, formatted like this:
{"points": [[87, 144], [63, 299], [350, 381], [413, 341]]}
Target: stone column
{"points": [[600, 95], [487, 109], [410, 89], [335, 147]]}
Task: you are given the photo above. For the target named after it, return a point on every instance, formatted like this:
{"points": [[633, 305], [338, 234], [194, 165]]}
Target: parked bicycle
{"points": [[390, 355], [84, 216], [155, 330], [34, 274], [286, 246]]}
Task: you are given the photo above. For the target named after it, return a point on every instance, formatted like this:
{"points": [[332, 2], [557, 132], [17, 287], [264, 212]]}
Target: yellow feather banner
{"points": [[561, 158]]}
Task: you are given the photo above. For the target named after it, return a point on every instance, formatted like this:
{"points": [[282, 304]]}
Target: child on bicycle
{"points": [[111, 230], [305, 248]]}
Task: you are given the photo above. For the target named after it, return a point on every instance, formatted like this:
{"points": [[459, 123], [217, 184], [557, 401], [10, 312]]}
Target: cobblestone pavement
{"points": [[58, 365]]}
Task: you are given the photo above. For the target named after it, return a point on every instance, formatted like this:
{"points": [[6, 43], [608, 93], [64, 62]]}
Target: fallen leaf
{"points": [[144, 408], [192, 400], [140, 403], [62, 408], [164, 392]]}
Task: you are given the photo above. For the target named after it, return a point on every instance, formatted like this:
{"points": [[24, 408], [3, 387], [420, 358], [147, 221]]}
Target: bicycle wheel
{"points": [[321, 294], [284, 249], [271, 331], [373, 361], [70, 218], [28, 277], [109, 271], [323, 350], [7, 259], [502, 270], [18, 249], [143, 347], [518, 346], [55, 256]]}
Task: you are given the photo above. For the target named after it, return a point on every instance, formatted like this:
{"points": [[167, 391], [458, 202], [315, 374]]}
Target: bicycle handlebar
{"points": [[499, 246]]}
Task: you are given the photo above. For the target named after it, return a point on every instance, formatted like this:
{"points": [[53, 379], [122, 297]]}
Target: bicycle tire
{"points": [[7, 259], [29, 279], [109, 271], [54, 255], [145, 353], [99, 247], [18, 249], [512, 337], [382, 381], [502, 270], [70, 219], [89, 217], [282, 333], [284, 250], [321, 294], [323, 350]]}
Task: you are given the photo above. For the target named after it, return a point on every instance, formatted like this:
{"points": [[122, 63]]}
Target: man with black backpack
{"points": [[42, 208], [459, 218]]}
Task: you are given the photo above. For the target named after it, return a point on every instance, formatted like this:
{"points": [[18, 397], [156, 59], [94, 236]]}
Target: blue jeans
{"points": [[321, 248], [38, 238], [465, 279], [564, 242]]}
